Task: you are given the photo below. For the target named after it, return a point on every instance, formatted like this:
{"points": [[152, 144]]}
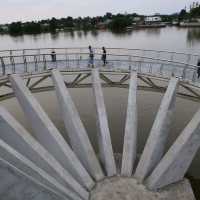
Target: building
{"points": [[104, 25], [152, 19], [4, 28], [137, 19]]}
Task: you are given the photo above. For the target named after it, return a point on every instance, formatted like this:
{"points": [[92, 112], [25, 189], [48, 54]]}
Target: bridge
{"points": [[35, 66], [42, 165]]}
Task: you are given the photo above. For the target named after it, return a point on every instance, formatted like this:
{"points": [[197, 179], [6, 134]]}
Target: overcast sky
{"points": [[26, 10]]}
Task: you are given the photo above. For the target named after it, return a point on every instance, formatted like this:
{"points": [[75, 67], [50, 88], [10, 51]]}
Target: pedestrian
{"points": [[53, 56], [104, 56], [198, 68], [91, 57]]}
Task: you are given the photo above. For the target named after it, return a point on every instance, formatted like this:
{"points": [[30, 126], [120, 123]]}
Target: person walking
{"points": [[53, 56], [91, 57], [104, 56], [198, 68]]}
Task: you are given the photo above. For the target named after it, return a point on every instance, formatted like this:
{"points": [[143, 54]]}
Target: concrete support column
{"points": [[105, 145], [75, 128], [130, 137], [177, 160], [18, 138], [17, 185], [16, 159], [155, 145], [47, 134]]}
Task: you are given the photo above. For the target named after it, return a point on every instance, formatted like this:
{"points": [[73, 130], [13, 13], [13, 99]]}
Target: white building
{"points": [[152, 19], [137, 19], [4, 27]]}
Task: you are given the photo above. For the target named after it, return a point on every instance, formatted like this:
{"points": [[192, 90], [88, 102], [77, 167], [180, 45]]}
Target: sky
{"points": [[27, 10]]}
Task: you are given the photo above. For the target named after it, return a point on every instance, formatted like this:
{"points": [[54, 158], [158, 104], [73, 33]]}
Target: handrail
{"points": [[117, 55], [37, 61], [98, 48]]}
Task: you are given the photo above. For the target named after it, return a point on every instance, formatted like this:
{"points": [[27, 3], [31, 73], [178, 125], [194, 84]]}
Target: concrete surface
{"points": [[15, 185], [76, 131], [117, 188], [47, 134], [177, 160], [16, 159], [103, 132], [19, 139], [130, 135], [155, 145]]}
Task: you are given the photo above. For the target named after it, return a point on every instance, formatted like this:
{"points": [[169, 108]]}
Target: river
{"points": [[169, 38]]}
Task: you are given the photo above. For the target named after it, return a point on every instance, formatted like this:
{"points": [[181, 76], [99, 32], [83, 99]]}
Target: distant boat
{"points": [[160, 25], [189, 24], [128, 28], [175, 23]]}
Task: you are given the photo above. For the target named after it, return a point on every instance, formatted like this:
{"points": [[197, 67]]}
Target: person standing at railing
{"points": [[198, 68], [91, 57], [53, 56], [104, 56]]}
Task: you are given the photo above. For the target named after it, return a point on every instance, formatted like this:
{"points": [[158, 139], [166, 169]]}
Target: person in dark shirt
{"points": [[198, 68], [53, 56], [104, 56]]}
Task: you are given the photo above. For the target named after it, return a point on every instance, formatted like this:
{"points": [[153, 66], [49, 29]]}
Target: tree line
{"points": [[117, 22]]}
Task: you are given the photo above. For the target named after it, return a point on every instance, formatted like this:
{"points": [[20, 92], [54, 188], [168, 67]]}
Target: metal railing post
{"points": [[158, 54], [186, 66], [38, 55], [130, 62], [172, 57], [78, 61], [194, 76], [44, 62], [188, 59], [184, 72], [150, 68], [11, 53], [161, 68], [36, 63], [3, 66], [66, 58], [139, 66], [67, 61], [12, 62], [143, 55], [25, 64]]}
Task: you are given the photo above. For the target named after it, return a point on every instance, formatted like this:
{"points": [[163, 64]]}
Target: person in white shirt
{"points": [[91, 57]]}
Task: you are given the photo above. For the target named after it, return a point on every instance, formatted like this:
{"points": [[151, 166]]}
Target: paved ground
{"points": [[117, 188]]}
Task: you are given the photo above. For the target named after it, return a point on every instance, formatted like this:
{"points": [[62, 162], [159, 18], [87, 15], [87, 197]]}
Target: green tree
{"points": [[15, 28], [53, 24], [183, 14], [195, 12], [32, 28], [120, 22]]}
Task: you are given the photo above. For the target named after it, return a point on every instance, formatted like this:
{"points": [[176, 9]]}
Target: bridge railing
{"points": [[157, 54], [38, 60]]}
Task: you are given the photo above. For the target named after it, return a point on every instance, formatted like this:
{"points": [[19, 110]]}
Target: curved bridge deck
{"points": [[35, 65], [43, 160], [145, 61]]}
